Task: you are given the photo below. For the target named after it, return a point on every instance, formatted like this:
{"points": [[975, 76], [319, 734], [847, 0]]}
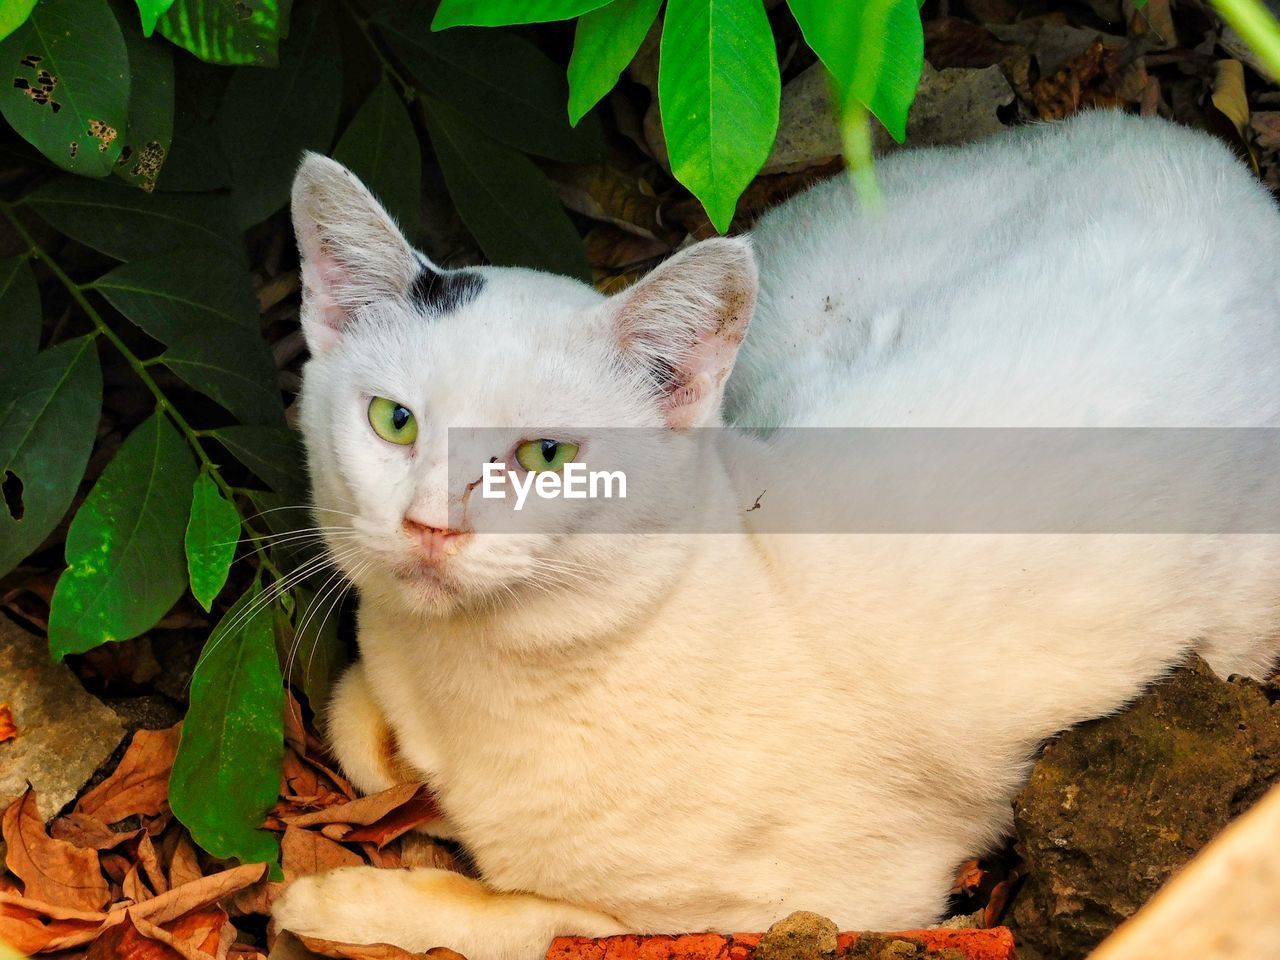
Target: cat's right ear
{"points": [[352, 252]]}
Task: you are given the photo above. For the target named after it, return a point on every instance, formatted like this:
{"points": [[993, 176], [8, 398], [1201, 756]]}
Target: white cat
{"points": [[657, 730]]}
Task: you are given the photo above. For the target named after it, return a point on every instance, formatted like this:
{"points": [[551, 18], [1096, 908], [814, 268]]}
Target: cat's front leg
{"points": [[421, 909], [367, 748]]}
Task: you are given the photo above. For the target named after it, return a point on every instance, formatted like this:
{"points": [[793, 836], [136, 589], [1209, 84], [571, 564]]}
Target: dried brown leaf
{"points": [[372, 951], [304, 852], [89, 832], [140, 784], [8, 729], [124, 941], [30, 926], [53, 871], [362, 811]]}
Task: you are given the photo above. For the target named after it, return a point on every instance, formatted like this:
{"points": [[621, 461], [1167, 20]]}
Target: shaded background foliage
{"points": [[148, 288]]}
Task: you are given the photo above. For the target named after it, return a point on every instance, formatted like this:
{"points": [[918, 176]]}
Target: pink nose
{"points": [[436, 543]]}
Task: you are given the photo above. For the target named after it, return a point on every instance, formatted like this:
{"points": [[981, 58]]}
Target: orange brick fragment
{"points": [[992, 944]]}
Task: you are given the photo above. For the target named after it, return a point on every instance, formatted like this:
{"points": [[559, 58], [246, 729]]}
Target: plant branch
{"points": [[139, 367]]}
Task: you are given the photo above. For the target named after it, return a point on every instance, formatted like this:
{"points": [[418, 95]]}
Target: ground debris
{"points": [[1117, 805]]}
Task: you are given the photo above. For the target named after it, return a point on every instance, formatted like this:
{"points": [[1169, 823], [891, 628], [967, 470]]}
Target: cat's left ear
{"points": [[352, 252], [684, 322]]}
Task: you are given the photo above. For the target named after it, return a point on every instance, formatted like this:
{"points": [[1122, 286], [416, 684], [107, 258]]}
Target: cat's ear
{"points": [[352, 252], [684, 322]]}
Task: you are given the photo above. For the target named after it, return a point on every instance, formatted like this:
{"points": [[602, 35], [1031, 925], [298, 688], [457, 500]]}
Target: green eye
{"points": [[392, 422], [538, 456]]}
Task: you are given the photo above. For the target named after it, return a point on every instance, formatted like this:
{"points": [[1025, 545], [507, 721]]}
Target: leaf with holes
{"points": [[505, 201], [19, 307], [719, 91], [269, 117], [125, 567], [499, 13], [199, 304], [500, 82], [874, 52], [149, 11], [13, 14], [49, 409], [381, 148], [228, 31], [66, 85], [227, 773], [606, 41], [212, 532], [149, 132], [128, 224]]}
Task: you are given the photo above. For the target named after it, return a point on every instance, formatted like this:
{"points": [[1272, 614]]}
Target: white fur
{"points": [[682, 732]]}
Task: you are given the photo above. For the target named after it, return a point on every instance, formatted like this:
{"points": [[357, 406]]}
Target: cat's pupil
{"points": [[549, 448], [399, 417]]}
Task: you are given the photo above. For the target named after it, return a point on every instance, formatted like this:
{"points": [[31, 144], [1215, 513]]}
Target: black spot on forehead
{"points": [[439, 291]]}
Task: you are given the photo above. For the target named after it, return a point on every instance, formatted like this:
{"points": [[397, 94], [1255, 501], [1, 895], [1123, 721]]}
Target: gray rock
{"points": [[64, 734]]}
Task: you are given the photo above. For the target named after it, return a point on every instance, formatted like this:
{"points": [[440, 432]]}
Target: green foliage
{"points": [[149, 132], [874, 51], [69, 96], [227, 774], [496, 13], [605, 42], [13, 14], [212, 532], [269, 117], [380, 147], [49, 408], [1258, 26], [228, 31], [719, 88], [125, 567], [503, 198]]}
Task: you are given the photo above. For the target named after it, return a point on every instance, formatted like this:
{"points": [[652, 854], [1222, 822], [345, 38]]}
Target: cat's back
{"points": [[1105, 270]]}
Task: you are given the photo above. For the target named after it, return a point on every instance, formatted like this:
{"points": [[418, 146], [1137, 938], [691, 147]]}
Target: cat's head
{"points": [[402, 351]]}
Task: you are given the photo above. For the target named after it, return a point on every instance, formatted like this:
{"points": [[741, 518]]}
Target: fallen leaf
{"points": [[125, 941], [184, 864], [203, 932], [89, 832], [968, 877], [304, 852], [372, 951], [952, 42], [8, 729], [1060, 95], [140, 784], [364, 810], [53, 871], [31, 926], [1228, 110]]}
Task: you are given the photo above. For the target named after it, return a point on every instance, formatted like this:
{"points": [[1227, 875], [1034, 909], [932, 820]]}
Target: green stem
{"points": [[1257, 27], [855, 130], [139, 367]]}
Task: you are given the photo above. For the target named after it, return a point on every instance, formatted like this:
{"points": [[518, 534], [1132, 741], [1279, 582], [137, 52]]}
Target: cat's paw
{"points": [[354, 905]]}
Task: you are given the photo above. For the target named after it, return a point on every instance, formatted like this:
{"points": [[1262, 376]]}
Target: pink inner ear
{"points": [[701, 374], [322, 277]]}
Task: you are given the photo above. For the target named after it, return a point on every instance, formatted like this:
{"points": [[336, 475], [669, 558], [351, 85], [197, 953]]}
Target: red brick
{"points": [[993, 944]]}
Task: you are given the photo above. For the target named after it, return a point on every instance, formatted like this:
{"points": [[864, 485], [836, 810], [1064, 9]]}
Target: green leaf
{"points": [[273, 453], [199, 303], [227, 773], [604, 44], [49, 409], [505, 201], [313, 651], [500, 82], [66, 85], [381, 148], [19, 308], [874, 51], [127, 224], [228, 31], [499, 13], [269, 117], [124, 549], [212, 532], [13, 14], [719, 91], [149, 11], [150, 128]]}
